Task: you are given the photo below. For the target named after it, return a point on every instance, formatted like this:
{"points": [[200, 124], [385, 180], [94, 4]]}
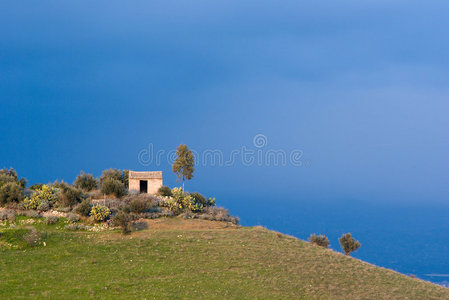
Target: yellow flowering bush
{"points": [[42, 194], [179, 201], [31, 203], [100, 213]]}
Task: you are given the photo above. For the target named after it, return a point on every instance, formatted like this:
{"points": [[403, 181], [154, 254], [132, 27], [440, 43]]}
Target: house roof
{"points": [[145, 175]]}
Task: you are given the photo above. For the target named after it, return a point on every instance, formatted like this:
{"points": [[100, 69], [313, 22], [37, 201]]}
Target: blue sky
{"points": [[360, 88]]}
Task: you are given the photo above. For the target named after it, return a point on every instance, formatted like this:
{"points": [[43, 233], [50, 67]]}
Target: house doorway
{"points": [[143, 186]]}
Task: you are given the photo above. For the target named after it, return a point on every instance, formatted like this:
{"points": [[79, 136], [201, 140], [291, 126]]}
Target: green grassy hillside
{"points": [[178, 258]]}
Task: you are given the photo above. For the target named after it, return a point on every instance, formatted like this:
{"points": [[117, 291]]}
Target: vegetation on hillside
{"points": [[105, 201], [348, 243], [319, 240], [176, 258], [87, 205], [86, 182], [44, 218]]}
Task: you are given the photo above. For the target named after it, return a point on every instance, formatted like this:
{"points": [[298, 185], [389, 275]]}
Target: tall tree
{"points": [[183, 166]]}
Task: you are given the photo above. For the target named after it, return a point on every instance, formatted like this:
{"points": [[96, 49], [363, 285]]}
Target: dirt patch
{"points": [[187, 224], [148, 226]]}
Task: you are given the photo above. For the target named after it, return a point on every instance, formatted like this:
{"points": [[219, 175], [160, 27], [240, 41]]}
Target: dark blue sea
{"points": [[408, 238]]}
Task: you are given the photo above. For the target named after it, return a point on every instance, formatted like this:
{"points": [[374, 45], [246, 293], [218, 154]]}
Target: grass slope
{"points": [[178, 258]]}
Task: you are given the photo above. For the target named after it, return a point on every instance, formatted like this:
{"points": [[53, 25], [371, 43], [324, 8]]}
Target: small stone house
{"points": [[145, 182]]}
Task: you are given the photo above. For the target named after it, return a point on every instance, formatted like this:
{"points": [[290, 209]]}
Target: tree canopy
{"points": [[184, 165]]}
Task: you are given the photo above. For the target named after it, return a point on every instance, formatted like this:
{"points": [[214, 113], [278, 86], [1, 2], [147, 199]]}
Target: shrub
{"points": [[8, 176], [125, 178], [22, 182], [86, 182], [218, 214], [84, 208], [199, 198], [111, 186], [116, 174], [73, 218], [31, 203], [44, 205], [111, 173], [33, 238], [36, 186], [100, 213], [44, 193], [70, 195], [151, 200], [179, 202], [164, 191], [210, 202], [57, 198], [59, 185], [10, 192], [42, 197], [121, 176], [123, 220], [50, 220], [138, 206], [7, 214], [319, 240], [200, 202], [348, 243]]}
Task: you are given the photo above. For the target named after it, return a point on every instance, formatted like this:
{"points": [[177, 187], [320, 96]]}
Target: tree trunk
{"points": [[183, 184]]}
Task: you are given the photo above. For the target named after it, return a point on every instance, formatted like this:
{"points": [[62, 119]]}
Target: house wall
{"points": [[153, 184]]}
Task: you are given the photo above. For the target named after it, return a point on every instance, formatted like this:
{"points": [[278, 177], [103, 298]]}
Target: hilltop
{"points": [[179, 258]]}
